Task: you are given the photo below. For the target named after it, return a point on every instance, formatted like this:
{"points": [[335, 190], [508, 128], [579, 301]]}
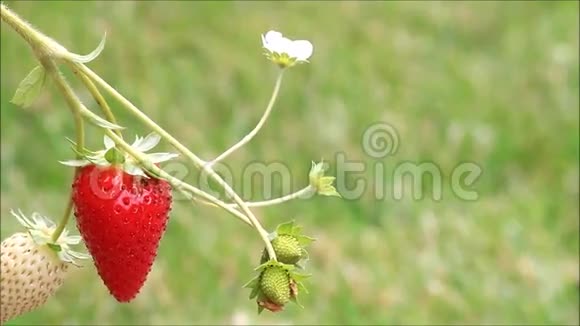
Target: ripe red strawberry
{"points": [[121, 214]]}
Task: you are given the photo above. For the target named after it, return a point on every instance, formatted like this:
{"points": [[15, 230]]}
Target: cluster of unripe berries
{"points": [[279, 282]]}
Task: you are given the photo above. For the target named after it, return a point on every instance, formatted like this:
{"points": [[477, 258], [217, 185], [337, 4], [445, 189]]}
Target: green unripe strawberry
{"points": [[287, 249], [275, 285], [278, 280]]}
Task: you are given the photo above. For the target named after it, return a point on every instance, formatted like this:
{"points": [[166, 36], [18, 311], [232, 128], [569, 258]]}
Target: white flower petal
{"points": [[161, 157], [74, 163], [148, 142], [133, 169], [72, 240], [137, 142], [301, 50], [271, 36], [287, 51], [282, 45], [275, 42]]}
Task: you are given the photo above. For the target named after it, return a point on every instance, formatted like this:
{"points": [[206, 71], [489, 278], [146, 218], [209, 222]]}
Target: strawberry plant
{"points": [[121, 198]]}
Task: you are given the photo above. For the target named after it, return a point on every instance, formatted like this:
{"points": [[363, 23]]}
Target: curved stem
{"points": [[75, 104], [280, 200], [257, 128], [183, 150], [52, 71], [44, 47], [34, 38], [98, 97], [64, 220]]}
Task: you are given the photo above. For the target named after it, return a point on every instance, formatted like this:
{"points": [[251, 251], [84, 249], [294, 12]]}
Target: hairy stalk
{"points": [[34, 38], [74, 102], [256, 129], [45, 48], [51, 69], [98, 97], [182, 149]]}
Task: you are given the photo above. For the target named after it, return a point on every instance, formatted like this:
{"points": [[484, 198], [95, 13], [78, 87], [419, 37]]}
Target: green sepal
{"points": [[253, 284], [304, 240], [54, 246], [114, 156], [30, 87], [290, 228], [285, 228], [322, 184], [100, 122], [300, 277], [74, 146], [295, 300]]}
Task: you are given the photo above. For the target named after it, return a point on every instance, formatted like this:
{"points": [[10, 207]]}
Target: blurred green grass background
{"points": [[495, 83]]}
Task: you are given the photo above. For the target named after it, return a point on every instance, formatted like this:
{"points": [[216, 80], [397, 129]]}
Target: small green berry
{"points": [[287, 249], [275, 285]]}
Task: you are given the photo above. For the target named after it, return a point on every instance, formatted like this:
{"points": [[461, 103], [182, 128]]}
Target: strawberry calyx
{"points": [[289, 244], [112, 155], [41, 228], [275, 285]]}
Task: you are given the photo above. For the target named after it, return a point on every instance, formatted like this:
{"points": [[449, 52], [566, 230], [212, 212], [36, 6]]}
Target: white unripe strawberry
{"points": [[32, 267]]}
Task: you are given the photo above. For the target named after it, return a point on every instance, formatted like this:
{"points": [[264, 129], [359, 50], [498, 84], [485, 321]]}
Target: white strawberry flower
{"points": [[130, 165], [285, 52]]}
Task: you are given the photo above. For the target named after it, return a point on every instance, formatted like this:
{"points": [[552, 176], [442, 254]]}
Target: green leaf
{"points": [[30, 87]]}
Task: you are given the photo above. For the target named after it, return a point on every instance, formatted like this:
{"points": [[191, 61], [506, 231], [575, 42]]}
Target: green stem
{"points": [[52, 70], [76, 105], [183, 150], [257, 128], [42, 45], [279, 200], [34, 38], [45, 48], [64, 220], [98, 97], [185, 188]]}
